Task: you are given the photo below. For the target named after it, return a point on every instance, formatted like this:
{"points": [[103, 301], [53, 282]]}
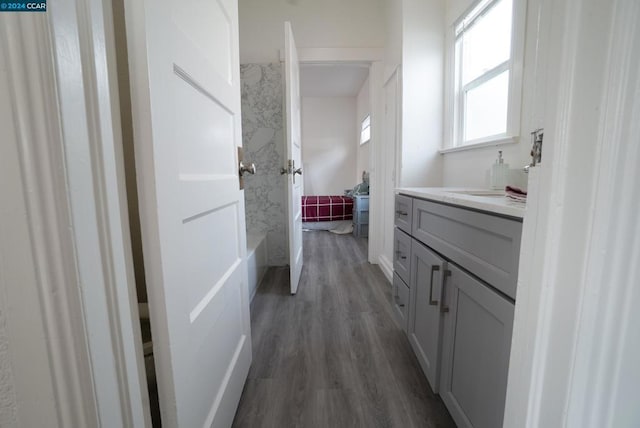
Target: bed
{"points": [[334, 213]]}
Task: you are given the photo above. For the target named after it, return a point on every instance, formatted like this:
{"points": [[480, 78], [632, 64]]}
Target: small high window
{"points": [[365, 130]]}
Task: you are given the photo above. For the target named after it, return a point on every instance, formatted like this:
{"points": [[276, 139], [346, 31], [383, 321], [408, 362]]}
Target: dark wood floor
{"points": [[333, 356]]}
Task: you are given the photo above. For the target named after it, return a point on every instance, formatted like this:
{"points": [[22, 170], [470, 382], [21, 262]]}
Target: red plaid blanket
{"points": [[326, 208]]}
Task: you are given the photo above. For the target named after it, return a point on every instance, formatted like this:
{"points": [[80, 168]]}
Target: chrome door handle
{"points": [[434, 268], [402, 213], [291, 169], [243, 169], [251, 169]]}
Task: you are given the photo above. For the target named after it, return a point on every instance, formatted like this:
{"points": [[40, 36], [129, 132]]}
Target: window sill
{"points": [[491, 143]]}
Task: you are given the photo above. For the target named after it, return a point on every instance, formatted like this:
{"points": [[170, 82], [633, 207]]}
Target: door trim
{"points": [[575, 347], [337, 55], [61, 65], [25, 48], [386, 173], [372, 58]]}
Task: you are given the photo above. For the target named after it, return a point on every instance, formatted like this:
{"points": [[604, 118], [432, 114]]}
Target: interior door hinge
{"points": [[536, 148]]}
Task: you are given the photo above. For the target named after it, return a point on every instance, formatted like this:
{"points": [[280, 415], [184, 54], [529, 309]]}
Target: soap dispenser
{"points": [[499, 172]]}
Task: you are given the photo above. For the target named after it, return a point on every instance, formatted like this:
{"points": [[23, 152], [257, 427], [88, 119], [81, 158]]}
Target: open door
{"points": [[186, 110], [294, 156]]}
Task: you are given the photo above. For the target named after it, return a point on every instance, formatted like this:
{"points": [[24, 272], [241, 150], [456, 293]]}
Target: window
{"points": [[365, 130], [485, 74]]}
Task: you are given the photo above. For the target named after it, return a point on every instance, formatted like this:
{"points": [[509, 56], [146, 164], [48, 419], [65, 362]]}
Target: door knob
{"points": [[291, 169], [251, 168]]}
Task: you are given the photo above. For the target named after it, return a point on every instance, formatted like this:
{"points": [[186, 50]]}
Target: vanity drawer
{"points": [[402, 254], [401, 301], [485, 244], [403, 212]]}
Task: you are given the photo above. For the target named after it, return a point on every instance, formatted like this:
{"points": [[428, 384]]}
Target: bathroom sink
{"points": [[485, 193]]}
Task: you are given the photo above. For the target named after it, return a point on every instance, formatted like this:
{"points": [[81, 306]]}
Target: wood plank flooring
{"points": [[333, 355]]}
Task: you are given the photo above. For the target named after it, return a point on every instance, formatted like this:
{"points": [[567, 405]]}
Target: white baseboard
{"points": [[387, 268]]}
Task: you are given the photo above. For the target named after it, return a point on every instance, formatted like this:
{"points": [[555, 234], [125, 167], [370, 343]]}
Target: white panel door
{"points": [[294, 156], [186, 105]]}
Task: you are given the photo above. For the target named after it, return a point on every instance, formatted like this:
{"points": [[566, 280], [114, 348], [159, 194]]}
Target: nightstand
{"points": [[361, 216]]}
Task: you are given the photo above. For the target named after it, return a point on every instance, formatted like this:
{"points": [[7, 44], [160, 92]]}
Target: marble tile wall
{"points": [[263, 142]]}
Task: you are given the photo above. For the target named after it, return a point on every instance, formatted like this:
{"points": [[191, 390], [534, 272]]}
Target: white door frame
{"points": [[389, 172], [65, 102], [373, 58], [575, 343]]}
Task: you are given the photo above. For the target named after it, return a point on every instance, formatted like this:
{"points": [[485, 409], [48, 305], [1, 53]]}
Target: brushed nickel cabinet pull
{"points": [[434, 268], [400, 255], [444, 308]]}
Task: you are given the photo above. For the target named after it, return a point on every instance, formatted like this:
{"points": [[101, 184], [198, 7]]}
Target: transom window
{"points": [[485, 88]]}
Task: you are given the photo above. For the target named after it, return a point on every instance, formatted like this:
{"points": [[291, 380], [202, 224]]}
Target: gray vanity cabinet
{"points": [[425, 317], [478, 323], [454, 296]]}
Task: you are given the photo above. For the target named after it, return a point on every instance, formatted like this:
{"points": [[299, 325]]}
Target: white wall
{"points": [[422, 92], [376, 179], [363, 108], [415, 48], [383, 168], [393, 42], [327, 23], [328, 144], [470, 168]]}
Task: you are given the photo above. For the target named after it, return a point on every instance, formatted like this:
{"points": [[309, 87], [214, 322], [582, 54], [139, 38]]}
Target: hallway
{"points": [[332, 356]]}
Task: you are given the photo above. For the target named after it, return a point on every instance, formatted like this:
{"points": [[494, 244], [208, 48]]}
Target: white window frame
{"points": [[454, 99], [363, 127]]}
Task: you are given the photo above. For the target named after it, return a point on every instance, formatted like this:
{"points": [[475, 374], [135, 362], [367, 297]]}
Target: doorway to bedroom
{"points": [[336, 130], [335, 101]]}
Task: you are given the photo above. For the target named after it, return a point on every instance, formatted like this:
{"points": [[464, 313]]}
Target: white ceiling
{"points": [[329, 80]]}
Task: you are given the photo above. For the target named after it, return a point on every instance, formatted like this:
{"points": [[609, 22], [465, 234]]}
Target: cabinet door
{"points": [[402, 255], [476, 346], [424, 328]]}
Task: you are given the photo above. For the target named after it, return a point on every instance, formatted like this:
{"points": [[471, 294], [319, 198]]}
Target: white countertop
{"points": [[451, 195]]}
